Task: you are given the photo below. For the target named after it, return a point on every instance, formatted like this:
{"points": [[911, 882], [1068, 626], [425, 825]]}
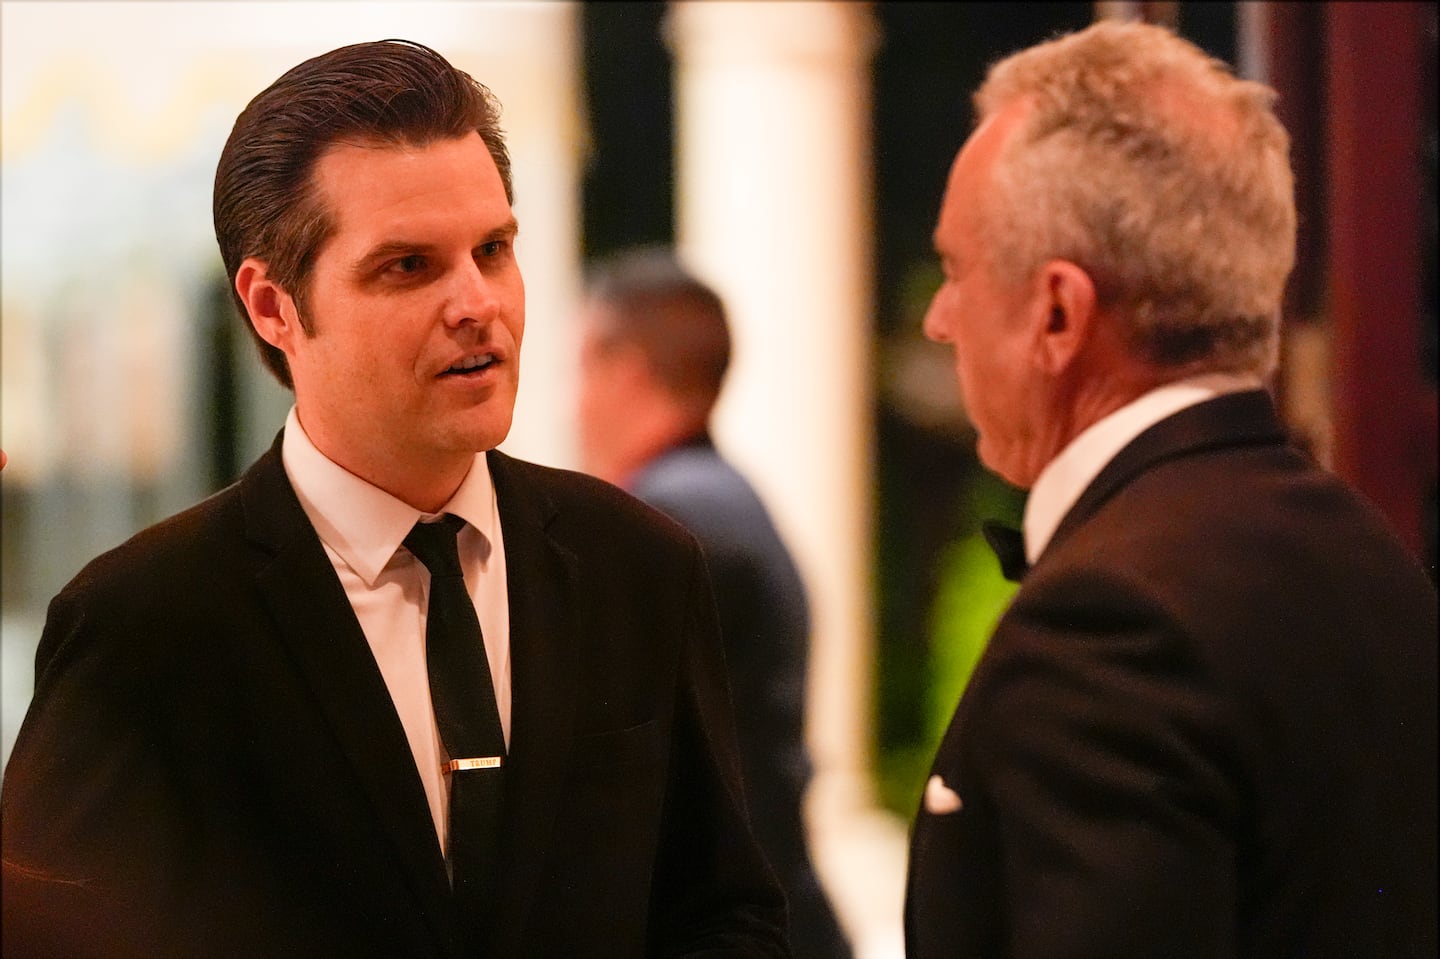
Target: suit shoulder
{"points": [[1250, 498], [164, 550], [1244, 543]]}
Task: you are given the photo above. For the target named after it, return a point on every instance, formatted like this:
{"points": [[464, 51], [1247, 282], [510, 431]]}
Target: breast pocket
{"points": [[634, 745]]}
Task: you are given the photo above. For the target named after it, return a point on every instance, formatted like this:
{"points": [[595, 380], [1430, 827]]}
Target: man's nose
{"points": [[473, 298], [934, 324]]}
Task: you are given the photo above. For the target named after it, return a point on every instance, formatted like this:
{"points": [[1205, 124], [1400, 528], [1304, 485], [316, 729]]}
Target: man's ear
{"points": [[1065, 295], [272, 311]]}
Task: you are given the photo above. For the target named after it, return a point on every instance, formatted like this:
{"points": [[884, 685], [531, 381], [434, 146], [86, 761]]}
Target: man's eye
{"points": [[408, 264], [492, 248]]}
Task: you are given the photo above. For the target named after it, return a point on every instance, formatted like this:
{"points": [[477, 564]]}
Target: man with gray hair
{"points": [[1206, 725]]}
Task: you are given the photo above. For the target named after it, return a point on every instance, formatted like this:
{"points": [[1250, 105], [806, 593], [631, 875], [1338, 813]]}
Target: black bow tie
{"points": [[1009, 546]]}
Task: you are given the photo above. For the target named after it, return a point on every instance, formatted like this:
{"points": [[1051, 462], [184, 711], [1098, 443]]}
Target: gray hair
{"points": [[1167, 179]]}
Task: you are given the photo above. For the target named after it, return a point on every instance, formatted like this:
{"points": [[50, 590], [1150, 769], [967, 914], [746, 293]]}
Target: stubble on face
{"points": [[417, 310]]}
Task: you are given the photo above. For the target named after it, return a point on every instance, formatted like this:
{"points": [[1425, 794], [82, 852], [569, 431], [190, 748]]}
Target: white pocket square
{"points": [[940, 799]]}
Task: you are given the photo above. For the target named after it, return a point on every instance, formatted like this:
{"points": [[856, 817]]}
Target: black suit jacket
{"points": [[1206, 725], [211, 764]]}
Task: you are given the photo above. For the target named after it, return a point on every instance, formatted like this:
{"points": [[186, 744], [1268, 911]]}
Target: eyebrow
{"points": [[401, 247], [507, 230]]}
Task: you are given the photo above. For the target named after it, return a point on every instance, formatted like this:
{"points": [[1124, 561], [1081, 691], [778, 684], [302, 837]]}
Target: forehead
{"points": [[970, 172], [385, 187]]}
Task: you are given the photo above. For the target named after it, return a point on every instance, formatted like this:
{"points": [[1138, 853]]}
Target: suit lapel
{"points": [[316, 623], [1235, 419], [542, 579]]}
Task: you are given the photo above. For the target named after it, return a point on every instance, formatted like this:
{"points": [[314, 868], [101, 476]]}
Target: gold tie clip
{"points": [[484, 762]]}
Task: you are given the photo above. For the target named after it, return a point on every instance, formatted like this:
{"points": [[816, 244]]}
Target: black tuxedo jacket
{"points": [[211, 764], [1206, 725]]}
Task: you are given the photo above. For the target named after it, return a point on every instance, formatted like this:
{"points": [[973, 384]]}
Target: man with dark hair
{"points": [[655, 346], [393, 693], [1206, 725]]}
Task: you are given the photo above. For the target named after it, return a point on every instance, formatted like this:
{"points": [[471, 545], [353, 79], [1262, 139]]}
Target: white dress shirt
{"points": [[1065, 477], [362, 528]]}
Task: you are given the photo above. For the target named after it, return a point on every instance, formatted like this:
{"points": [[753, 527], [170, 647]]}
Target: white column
{"points": [[773, 185], [774, 209]]}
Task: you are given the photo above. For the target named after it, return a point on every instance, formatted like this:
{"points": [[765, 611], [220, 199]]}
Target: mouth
{"points": [[471, 365]]}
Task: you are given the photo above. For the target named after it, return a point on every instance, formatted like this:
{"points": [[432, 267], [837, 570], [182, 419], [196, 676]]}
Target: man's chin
{"points": [[474, 427], [480, 437]]}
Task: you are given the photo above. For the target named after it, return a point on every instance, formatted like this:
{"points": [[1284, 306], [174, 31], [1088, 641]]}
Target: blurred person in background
{"points": [[655, 346], [1206, 725], [393, 693]]}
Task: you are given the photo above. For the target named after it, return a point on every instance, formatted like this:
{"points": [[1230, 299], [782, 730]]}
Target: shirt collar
{"points": [[1062, 481], [362, 523]]}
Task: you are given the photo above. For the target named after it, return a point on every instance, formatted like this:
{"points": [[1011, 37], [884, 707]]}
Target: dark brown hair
{"points": [[388, 91], [675, 320]]}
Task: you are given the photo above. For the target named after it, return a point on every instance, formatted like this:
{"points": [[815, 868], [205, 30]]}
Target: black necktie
{"points": [[465, 711], [1009, 546]]}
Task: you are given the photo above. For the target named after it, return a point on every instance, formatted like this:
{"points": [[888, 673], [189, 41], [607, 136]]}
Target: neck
{"points": [[429, 497], [1084, 399], [427, 485], [649, 433]]}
